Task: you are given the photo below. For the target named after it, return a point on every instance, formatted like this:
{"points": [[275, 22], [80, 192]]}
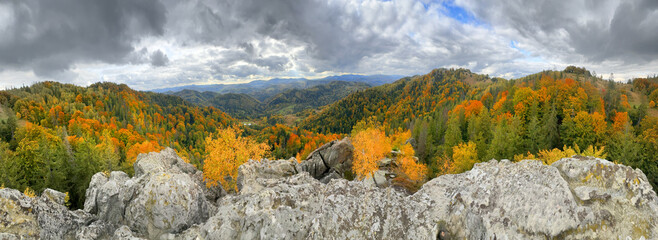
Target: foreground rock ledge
{"points": [[574, 198]]}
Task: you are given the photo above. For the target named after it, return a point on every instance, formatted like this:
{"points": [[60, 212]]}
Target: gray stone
{"points": [[164, 161], [617, 200], [43, 217], [55, 219], [18, 220], [192, 233], [331, 175], [168, 202], [333, 157], [253, 171], [166, 195], [378, 179], [107, 196], [95, 230], [124, 233], [573, 199], [9, 236]]}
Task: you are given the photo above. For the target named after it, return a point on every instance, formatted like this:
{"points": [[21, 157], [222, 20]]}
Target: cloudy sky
{"points": [[160, 43]]}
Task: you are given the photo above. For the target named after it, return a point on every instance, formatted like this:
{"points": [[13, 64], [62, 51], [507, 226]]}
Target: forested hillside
{"points": [[58, 135], [289, 102], [400, 102], [459, 118]]}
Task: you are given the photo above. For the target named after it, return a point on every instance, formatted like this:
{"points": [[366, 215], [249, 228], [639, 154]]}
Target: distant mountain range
{"points": [[287, 101], [264, 89]]}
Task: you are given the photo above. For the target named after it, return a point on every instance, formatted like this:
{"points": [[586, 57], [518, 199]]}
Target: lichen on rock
{"points": [[574, 198]]}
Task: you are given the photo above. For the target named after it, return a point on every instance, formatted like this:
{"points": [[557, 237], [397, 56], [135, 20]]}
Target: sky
{"points": [[149, 44]]}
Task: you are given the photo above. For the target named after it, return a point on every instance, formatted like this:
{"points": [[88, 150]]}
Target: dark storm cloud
{"points": [[159, 59], [52, 35], [331, 35], [594, 30]]}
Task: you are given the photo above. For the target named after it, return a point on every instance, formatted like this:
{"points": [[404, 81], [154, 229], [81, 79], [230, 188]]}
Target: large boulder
{"points": [[166, 195], [575, 198], [330, 161]]}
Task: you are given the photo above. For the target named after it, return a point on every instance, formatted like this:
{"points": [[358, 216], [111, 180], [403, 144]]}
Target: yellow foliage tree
{"points": [[594, 152], [407, 164], [29, 192], [548, 157], [370, 145], [226, 151], [399, 138], [464, 156], [520, 157]]}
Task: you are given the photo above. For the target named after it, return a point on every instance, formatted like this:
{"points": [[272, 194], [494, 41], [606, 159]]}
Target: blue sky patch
{"points": [[459, 13], [515, 45]]}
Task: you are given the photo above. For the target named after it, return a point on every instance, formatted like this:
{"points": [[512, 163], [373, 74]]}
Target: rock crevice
{"points": [[574, 198]]}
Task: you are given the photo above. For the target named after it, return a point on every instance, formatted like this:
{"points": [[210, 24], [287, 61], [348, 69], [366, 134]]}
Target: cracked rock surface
{"points": [[574, 198]]}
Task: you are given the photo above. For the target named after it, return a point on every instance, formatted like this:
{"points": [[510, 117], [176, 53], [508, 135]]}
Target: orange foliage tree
{"points": [[408, 165], [143, 147], [226, 150]]}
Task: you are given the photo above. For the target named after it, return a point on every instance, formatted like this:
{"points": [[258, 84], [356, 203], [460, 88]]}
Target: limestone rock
{"points": [[43, 217], [253, 171], [380, 178], [166, 195], [164, 161], [615, 200], [572, 199], [124, 233], [17, 218], [55, 219], [168, 202], [330, 161], [332, 158], [107, 196]]}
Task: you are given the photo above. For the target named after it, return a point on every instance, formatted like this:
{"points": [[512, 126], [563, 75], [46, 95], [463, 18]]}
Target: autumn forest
{"points": [[55, 135]]}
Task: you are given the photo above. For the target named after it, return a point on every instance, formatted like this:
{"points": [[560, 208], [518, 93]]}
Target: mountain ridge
{"points": [[290, 101], [282, 84]]}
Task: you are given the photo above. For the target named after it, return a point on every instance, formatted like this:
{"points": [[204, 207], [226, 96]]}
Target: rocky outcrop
{"points": [[44, 217], [166, 195], [330, 161], [574, 198], [253, 173]]}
